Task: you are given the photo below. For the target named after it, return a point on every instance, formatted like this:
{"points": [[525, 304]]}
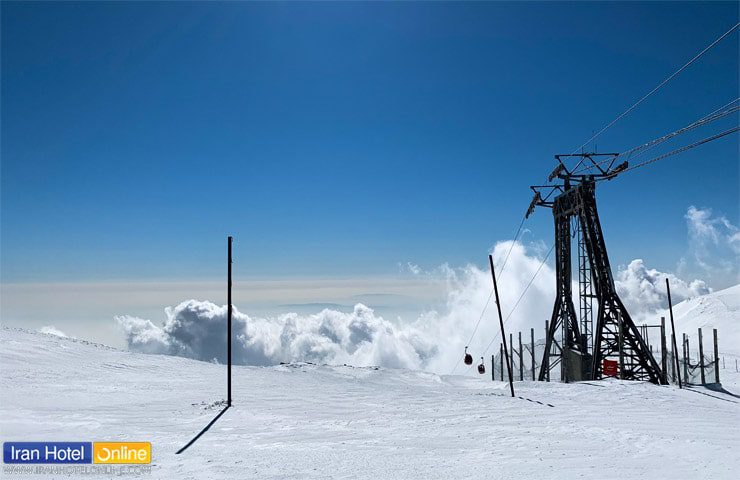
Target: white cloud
{"points": [[196, 329], [714, 247], [433, 341], [643, 290]]}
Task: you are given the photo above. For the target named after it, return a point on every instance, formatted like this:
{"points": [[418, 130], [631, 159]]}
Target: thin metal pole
{"points": [[493, 367], [501, 322], [228, 328], [701, 359], [673, 329], [531, 332]]}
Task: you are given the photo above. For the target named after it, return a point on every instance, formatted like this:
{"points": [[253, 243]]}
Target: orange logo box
{"points": [[122, 452]]}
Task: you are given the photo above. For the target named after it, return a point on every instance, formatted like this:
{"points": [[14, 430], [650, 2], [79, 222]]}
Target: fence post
{"points": [[493, 367], [511, 354], [531, 331], [674, 358], [521, 363], [547, 374], [621, 347], [685, 359], [501, 356], [663, 352], [716, 357], [701, 358]]}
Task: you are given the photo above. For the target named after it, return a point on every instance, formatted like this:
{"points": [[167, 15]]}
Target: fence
{"points": [[697, 367]]}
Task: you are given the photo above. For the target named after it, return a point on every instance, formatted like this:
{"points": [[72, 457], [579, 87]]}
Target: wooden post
{"points": [[674, 360], [501, 348], [716, 357], [621, 347], [663, 350], [521, 363], [701, 359], [228, 329], [673, 330], [547, 329], [685, 358], [501, 322], [511, 352], [531, 332]]}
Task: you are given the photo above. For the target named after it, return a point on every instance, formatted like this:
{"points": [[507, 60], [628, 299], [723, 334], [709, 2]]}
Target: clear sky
{"points": [[337, 140]]}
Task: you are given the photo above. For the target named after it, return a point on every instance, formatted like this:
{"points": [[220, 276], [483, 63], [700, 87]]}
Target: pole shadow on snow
{"points": [[204, 430], [690, 389]]}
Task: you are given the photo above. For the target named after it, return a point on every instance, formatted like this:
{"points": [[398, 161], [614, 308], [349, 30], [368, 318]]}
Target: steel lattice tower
{"points": [[615, 337]]}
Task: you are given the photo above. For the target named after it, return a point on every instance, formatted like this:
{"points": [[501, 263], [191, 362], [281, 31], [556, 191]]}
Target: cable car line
{"points": [[680, 150], [488, 301], [660, 85], [516, 304], [639, 150]]}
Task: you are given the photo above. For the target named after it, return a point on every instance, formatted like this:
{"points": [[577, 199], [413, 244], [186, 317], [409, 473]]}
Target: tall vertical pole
{"points": [[716, 357], [501, 322], [701, 359], [493, 367], [228, 328], [673, 329], [531, 333]]}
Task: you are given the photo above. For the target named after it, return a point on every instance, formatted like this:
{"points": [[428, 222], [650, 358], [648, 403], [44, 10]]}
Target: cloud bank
{"points": [[195, 329], [434, 341]]}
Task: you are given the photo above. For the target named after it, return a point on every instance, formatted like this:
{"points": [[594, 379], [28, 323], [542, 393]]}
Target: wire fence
{"points": [[695, 366]]}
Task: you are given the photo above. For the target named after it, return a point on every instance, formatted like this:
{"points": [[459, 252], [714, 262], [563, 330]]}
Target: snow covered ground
{"points": [[308, 421]]}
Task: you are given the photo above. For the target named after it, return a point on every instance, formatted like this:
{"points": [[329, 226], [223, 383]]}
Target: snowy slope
{"points": [[720, 310], [306, 421]]}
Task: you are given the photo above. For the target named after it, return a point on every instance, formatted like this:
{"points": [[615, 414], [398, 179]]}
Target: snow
{"points": [[720, 310], [306, 421]]}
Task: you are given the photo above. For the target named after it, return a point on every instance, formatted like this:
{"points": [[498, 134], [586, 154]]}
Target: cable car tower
{"points": [[573, 344]]}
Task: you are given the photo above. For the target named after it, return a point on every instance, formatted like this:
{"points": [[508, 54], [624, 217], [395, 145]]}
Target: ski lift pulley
{"points": [[468, 357]]}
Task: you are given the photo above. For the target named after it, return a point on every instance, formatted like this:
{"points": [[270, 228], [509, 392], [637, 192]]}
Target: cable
{"points": [[537, 272], [639, 150], [680, 150], [490, 295], [659, 86]]}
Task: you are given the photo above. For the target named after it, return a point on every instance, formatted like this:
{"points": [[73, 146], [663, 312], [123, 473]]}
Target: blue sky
{"points": [[337, 140]]}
